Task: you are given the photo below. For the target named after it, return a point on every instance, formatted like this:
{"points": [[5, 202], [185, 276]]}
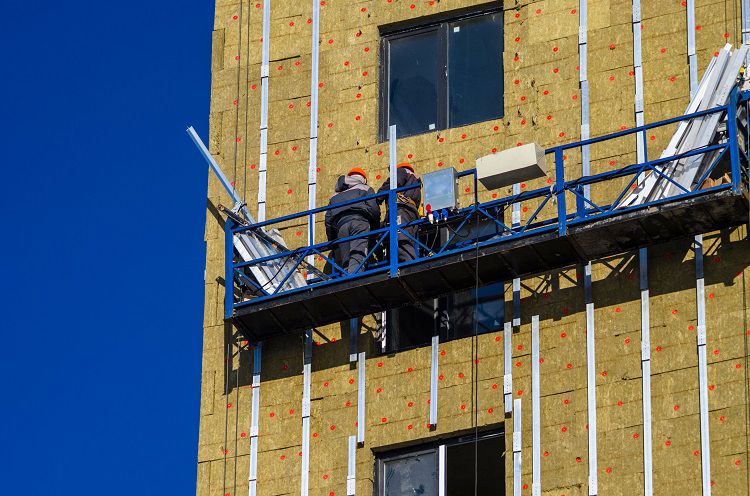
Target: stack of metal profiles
{"points": [[257, 243], [714, 91]]}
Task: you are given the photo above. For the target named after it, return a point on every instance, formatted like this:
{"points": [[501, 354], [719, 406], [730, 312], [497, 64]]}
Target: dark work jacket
{"points": [[351, 188], [405, 177]]}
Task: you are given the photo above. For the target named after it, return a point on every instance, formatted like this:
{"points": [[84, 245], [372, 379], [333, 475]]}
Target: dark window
{"points": [[455, 316], [459, 465], [442, 74]]}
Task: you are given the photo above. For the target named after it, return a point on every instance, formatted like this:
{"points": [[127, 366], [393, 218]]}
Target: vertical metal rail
{"points": [[361, 398], [591, 382], [434, 380], [351, 472], [643, 262], [638, 72], [702, 367], [353, 339], [536, 460], [648, 485], [517, 447], [252, 478], [700, 288], [306, 380], [745, 7], [312, 176], [584, 84], [392, 215], [692, 57], [586, 170], [516, 223], [508, 367], [263, 161], [442, 474]]}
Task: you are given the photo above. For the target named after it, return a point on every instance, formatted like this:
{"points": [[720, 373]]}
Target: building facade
{"points": [[564, 70]]}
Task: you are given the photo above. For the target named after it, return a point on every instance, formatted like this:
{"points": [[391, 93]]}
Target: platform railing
{"points": [[558, 207]]}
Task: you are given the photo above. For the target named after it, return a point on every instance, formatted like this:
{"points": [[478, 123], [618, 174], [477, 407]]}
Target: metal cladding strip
{"points": [[591, 382], [392, 215], [434, 379], [584, 83], [508, 367], [516, 222], [252, 478], [353, 337], [702, 366], [536, 460], [745, 21], [517, 447], [361, 398], [306, 380], [262, 163], [312, 171], [638, 73], [442, 474], [692, 57], [643, 263], [351, 472], [648, 485]]}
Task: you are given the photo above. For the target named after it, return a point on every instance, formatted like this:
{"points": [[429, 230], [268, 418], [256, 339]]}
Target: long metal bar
{"points": [[536, 459], [434, 380], [361, 398], [517, 446], [263, 160], [392, 213], [252, 477], [351, 472], [648, 484], [700, 301], [508, 367], [442, 473], [691, 53], [306, 382], [591, 382]]}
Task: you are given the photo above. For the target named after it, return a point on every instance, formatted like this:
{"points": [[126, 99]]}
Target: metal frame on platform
{"points": [[586, 211]]}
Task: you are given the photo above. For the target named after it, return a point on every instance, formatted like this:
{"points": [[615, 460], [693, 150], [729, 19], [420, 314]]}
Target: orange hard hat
{"points": [[357, 170], [405, 165]]}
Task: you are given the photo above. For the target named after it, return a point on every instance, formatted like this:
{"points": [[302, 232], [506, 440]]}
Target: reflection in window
{"points": [[475, 76], [443, 74], [412, 80], [411, 476], [470, 465]]}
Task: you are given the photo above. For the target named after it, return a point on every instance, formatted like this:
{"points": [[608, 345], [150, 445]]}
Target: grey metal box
{"points": [[440, 189], [511, 166]]}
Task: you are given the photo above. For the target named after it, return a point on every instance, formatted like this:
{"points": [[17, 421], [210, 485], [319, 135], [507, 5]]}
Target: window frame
{"points": [[439, 447], [440, 23]]}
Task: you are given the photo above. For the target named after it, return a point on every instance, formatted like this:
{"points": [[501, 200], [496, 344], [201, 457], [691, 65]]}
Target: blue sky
{"points": [[103, 209]]}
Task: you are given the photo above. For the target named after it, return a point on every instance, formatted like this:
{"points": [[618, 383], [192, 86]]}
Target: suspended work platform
{"points": [[564, 223]]}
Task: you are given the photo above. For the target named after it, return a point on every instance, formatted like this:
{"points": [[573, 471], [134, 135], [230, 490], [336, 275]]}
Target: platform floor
{"points": [[500, 261]]}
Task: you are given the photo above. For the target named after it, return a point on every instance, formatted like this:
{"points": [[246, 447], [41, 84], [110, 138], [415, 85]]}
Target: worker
{"points": [[407, 208], [352, 219]]}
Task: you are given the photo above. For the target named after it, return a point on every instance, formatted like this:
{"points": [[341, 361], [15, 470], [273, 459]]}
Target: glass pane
{"points": [[489, 308], [475, 70], [483, 459], [412, 90], [416, 475]]}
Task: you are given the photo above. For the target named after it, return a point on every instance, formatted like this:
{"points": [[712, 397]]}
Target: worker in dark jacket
{"points": [[351, 220], [407, 210]]}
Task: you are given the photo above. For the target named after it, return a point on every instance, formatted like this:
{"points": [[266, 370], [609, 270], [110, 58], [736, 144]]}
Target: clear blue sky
{"points": [[103, 210]]}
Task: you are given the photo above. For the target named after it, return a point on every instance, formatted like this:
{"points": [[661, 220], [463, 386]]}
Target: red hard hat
{"points": [[357, 170]]}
